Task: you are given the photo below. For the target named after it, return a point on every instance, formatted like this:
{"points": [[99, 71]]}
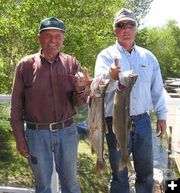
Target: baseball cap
{"points": [[124, 14], [51, 23]]}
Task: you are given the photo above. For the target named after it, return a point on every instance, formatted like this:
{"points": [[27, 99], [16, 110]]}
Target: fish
{"points": [[121, 124], [96, 121]]}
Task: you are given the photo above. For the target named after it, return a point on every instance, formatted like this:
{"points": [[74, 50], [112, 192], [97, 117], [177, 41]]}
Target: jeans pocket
{"points": [[29, 134], [72, 134]]}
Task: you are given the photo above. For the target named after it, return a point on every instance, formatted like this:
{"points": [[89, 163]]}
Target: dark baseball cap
{"points": [[51, 23], [124, 14]]}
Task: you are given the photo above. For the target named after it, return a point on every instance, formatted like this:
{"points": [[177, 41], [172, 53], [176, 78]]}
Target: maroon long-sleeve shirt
{"points": [[44, 92]]}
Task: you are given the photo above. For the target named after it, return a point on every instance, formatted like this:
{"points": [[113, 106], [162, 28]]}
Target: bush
{"points": [[14, 170]]}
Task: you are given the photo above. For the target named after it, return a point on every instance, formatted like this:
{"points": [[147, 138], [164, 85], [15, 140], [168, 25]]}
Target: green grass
{"points": [[89, 181], [15, 171]]}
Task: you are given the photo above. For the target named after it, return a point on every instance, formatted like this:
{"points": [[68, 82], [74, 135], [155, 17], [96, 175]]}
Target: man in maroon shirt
{"points": [[47, 87]]}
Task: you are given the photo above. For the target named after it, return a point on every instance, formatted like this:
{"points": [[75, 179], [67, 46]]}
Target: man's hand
{"points": [[22, 147], [114, 69], [82, 80], [160, 128]]}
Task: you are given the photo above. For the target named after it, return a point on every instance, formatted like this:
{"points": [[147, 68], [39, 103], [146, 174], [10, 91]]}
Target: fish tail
{"points": [[92, 150], [129, 165], [122, 165], [125, 163], [118, 146], [100, 166]]}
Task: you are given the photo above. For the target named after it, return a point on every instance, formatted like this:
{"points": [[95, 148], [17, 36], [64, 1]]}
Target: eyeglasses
{"points": [[125, 25]]}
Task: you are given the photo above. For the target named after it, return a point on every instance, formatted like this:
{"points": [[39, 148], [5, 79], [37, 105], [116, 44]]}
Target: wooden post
{"points": [[8, 189], [170, 158]]}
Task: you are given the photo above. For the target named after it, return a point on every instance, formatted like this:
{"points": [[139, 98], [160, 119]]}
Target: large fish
{"points": [[121, 118], [96, 120]]}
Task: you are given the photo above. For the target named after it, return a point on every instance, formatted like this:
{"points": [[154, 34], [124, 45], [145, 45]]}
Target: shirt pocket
{"points": [[28, 80], [145, 73], [28, 76]]}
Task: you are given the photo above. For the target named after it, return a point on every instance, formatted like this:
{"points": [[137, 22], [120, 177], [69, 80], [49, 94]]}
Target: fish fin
{"points": [[113, 129], [130, 126], [92, 150], [118, 146], [88, 100], [129, 165], [105, 126], [100, 166]]}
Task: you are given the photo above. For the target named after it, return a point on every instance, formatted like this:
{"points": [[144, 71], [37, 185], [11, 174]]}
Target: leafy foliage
{"points": [[13, 168], [87, 178], [139, 7], [164, 43], [5, 135], [88, 26]]}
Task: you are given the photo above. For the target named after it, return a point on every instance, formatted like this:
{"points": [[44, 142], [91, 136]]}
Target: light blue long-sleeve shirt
{"points": [[147, 92]]}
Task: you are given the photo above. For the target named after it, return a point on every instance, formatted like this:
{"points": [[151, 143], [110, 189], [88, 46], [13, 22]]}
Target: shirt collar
{"points": [[123, 49], [57, 57]]}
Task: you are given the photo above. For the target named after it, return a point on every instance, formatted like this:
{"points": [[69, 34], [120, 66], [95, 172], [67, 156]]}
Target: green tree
{"points": [[88, 25], [139, 7], [164, 42], [88, 29]]}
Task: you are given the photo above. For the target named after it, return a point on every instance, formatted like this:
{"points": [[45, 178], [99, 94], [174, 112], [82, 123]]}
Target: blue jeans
{"points": [[140, 145], [63, 143]]}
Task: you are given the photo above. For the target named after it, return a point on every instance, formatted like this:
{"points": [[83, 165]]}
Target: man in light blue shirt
{"points": [[147, 94]]}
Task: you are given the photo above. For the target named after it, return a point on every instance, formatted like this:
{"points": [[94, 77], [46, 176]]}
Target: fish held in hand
{"points": [[121, 118], [96, 120]]}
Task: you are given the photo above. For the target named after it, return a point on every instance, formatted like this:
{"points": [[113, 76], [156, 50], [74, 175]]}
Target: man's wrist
{"points": [[79, 91]]}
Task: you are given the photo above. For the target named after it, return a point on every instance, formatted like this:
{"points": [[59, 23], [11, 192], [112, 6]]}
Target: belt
{"points": [[51, 126], [108, 119], [133, 117]]}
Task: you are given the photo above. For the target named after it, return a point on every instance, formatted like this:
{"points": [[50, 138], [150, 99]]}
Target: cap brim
{"points": [[51, 28], [123, 19]]}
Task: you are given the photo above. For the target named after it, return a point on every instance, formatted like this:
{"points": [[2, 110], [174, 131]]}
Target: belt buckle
{"points": [[51, 127]]}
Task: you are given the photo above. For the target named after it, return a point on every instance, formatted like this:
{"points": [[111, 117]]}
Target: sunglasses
{"points": [[125, 25]]}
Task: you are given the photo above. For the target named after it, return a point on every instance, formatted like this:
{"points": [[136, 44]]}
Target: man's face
{"points": [[51, 41], [125, 32]]}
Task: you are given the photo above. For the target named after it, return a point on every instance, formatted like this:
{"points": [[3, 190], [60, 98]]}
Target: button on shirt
{"points": [[147, 92]]}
